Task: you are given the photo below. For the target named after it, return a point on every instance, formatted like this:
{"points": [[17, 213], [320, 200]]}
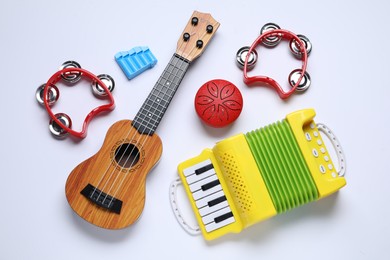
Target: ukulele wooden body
{"points": [[111, 176], [108, 189]]}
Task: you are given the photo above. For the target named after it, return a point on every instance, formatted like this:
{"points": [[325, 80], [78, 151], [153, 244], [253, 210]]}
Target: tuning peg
{"points": [[199, 44], [194, 21], [241, 56], [71, 77], [271, 41], [209, 28], [57, 130], [186, 36], [294, 47], [305, 82], [52, 94], [100, 91]]}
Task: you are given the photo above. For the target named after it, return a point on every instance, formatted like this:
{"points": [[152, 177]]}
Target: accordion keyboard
{"points": [[208, 195]]}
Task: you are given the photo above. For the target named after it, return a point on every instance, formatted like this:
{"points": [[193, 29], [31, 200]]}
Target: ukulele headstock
{"points": [[196, 35]]}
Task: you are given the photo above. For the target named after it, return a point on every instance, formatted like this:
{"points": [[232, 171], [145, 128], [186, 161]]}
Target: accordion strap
{"points": [[192, 230], [336, 145]]}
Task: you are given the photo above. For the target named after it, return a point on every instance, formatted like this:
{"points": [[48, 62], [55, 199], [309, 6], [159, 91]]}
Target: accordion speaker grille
{"points": [[282, 166], [236, 183]]}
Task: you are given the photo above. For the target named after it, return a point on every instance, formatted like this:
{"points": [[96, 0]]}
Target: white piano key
{"points": [[198, 185], [194, 178], [210, 218], [213, 226], [203, 202], [208, 210], [201, 194], [191, 170]]}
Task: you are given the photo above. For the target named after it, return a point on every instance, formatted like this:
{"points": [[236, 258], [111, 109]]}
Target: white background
{"points": [[349, 67]]}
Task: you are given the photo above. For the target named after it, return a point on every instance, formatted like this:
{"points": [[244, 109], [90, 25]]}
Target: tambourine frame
{"points": [[287, 35], [106, 107]]}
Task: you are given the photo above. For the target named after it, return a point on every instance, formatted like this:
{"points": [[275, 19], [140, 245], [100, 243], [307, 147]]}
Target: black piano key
{"points": [[216, 201], [209, 185], [204, 169], [223, 217]]}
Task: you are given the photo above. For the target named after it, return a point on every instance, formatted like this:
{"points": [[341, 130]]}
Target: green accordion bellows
{"points": [[282, 166]]}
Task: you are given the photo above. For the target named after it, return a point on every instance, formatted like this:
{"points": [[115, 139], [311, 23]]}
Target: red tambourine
{"points": [[106, 107], [287, 35]]}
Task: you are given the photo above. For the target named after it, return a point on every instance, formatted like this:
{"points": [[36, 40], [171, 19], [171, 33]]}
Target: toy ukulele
{"points": [[108, 189], [250, 177]]}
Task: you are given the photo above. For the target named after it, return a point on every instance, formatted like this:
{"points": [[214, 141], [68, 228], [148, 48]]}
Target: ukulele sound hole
{"points": [[127, 155]]}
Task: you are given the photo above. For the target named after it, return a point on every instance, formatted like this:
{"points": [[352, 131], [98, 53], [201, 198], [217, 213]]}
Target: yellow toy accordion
{"points": [[250, 177]]}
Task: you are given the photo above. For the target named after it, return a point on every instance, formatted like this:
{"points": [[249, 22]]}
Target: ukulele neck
{"points": [[153, 109]]}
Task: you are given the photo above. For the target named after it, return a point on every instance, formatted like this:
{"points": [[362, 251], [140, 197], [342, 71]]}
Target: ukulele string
{"points": [[159, 117], [182, 62], [143, 132], [140, 144], [122, 156]]}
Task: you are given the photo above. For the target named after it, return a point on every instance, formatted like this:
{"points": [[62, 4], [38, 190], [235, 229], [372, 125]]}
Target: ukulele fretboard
{"points": [[149, 116]]}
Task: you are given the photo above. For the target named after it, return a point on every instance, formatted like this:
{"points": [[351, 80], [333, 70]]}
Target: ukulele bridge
{"points": [[102, 199]]}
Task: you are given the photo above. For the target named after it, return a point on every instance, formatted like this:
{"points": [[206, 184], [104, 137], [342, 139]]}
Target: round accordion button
{"points": [[218, 103]]}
